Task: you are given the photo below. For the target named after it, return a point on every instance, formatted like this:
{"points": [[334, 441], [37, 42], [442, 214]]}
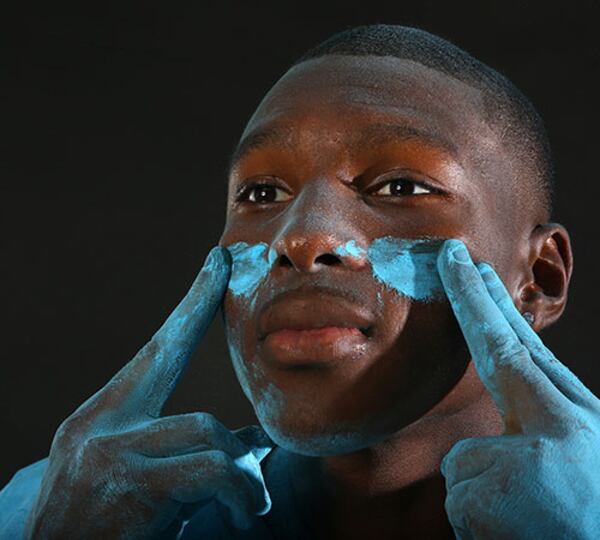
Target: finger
{"points": [[257, 440], [261, 445], [469, 458], [143, 385], [460, 503], [194, 432], [171, 436], [523, 393], [562, 377], [212, 474]]}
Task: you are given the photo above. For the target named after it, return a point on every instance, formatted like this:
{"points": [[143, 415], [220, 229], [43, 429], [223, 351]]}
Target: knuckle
{"points": [[151, 348], [207, 421], [454, 503], [99, 451], [462, 446], [505, 347], [230, 476], [463, 450], [67, 433], [460, 506], [540, 452], [221, 464]]}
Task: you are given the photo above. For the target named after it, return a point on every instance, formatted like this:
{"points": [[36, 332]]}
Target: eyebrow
{"points": [[372, 136], [274, 136]]}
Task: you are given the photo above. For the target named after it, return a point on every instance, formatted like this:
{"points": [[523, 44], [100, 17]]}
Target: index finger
{"points": [[144, 384], [522, 392], [560, 375]]}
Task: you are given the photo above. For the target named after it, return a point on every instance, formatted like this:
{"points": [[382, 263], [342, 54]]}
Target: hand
{"points": [[118, 470], [541, 478]]}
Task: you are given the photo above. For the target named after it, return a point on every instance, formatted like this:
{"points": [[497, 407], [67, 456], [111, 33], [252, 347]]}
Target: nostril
{"points": [[328, 259]]}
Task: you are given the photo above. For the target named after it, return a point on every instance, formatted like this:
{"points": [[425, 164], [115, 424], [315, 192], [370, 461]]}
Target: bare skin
{"points": [[414, 393]]}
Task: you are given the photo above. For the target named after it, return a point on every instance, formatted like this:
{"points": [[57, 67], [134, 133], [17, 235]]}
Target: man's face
{"points": [[355, 149]]}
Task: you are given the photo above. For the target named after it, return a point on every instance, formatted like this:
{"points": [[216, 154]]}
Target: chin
{"points": [[322, 444], [315, 437]]}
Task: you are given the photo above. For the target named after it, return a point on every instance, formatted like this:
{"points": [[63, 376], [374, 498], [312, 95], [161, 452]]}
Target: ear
{"points": [[544, 289]]}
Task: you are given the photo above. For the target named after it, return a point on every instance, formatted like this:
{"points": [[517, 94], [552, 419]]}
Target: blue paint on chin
{"points": [[407, 266], [251, 264]]}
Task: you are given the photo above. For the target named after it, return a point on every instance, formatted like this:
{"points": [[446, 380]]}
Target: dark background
{"points": [[117, 124]]}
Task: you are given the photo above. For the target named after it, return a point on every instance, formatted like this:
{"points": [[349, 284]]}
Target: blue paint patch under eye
{"points": [[251, 264], [350, 248], [407, 266]]}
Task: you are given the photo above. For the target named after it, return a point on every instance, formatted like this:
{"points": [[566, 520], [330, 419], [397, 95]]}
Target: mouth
{"points": [[313, 327]]}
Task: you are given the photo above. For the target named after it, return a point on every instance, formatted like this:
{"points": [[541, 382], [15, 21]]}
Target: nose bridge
{"points": [[314, 226]]}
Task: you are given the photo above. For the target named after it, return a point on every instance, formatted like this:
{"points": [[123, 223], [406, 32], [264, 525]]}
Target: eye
{"points": [[262, 194], [398, 187]]}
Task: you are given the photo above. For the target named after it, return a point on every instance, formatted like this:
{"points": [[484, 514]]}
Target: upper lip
{"points": [[304, 309]]}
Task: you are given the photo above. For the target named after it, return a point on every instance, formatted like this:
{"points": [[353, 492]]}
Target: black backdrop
{"points": [[117, 123]]}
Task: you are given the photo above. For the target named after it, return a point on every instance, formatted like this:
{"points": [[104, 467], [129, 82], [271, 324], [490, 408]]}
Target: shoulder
{"points": [[17, 498]]}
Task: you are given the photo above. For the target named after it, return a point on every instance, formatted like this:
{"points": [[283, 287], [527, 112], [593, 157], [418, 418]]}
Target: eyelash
{"points": [[244, 192]]}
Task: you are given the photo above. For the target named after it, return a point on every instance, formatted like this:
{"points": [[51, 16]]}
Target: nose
{"points": [[314, 231], [309, 253]]}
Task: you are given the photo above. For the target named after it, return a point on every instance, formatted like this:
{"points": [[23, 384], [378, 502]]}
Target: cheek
{"points": [[408, 267], [251, 265], [237, 318]]}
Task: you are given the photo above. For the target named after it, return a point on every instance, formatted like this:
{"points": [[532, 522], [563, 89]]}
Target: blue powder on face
{"points": [[407, 266], [251, 264], [350, 248]]}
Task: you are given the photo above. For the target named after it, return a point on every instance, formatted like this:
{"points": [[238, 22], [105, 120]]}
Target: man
{"points": [[401, 388]]}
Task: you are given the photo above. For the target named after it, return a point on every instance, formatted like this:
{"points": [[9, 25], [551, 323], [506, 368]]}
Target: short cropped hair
{"points": [[505, 106]]}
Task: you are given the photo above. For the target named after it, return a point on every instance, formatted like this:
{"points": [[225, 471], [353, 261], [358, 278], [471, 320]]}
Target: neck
{"points": [[396, 485]]}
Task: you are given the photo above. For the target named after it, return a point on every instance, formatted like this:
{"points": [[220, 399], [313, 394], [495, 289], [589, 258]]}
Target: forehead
{"points": [[344, 98]]}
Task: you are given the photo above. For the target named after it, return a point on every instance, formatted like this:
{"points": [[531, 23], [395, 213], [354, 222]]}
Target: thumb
{"points": [[257, 440]]}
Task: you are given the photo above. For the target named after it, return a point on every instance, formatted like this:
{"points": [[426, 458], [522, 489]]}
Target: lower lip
{"points": [[314, 346]]}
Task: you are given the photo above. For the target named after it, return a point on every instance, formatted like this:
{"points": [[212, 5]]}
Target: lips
{"points": [[299, 310], [313, 327]]}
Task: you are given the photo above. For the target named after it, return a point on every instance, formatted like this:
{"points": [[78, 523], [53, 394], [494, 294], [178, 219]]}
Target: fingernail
{"points": [[486, 271], [459, 252], [211, 258], [443, 467], [215, 258]]}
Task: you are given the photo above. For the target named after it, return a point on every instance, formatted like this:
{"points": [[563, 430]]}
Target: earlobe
{"points": [[545, 290]]}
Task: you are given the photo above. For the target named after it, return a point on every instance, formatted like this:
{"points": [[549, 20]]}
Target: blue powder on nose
{"points": [[251, 264], [407, 266], [350, 248]]}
